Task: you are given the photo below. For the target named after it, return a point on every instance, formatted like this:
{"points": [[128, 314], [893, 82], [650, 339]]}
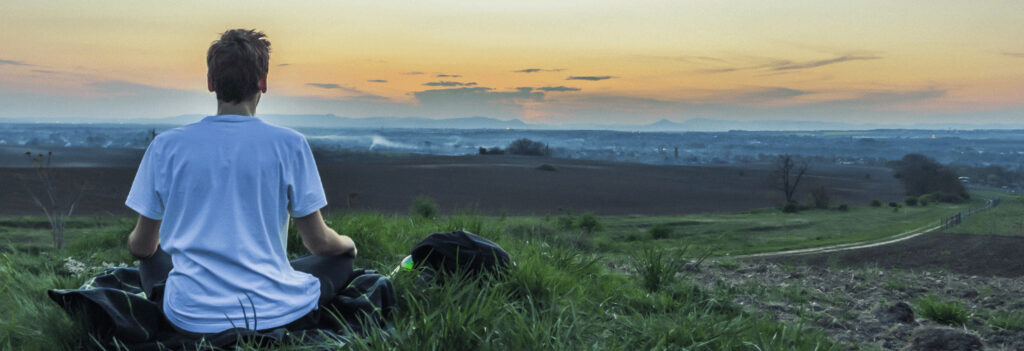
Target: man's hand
{"points": [[145, 238], [320, 239]]}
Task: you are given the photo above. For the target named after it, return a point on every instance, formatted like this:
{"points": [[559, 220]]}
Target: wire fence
{"points": [[956, 219]]}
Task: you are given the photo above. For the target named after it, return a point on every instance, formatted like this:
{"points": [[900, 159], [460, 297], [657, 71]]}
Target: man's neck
{"points": [[241, 108]]}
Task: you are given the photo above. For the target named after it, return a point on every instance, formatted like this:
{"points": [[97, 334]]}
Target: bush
{"points": [[660, 231], [820, 197], [567, 221], [876, 203], [492, 151], [843, 207], [791, 207], [910, 201], [547, 167], [948, 313], [528, 147], [589, 223], [424, 206]]}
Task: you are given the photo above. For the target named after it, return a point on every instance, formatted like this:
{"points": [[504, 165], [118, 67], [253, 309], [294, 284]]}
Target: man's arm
{"points": [[320, 239], [143, 240]]}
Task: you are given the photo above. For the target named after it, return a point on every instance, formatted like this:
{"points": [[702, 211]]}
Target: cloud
{"points": [[377, 80], [1014, 54], [559, 88], [448, 75], [325, 85], [788, 65], [13, 63], [283, 64], [535, 70], [45, 71], [448, 83], [355, 93], [591, 78], [819, 63], [414, 73]]}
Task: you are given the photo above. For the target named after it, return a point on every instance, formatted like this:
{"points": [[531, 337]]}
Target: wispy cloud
{"points": [[448, 75], [535, 70], [819, 63], [354, 93], [377, 80], [685, 58], [448, 83], [283, 64], [591, 78], [45, 71], [1014, 54], [413, 73], [560, 88], [325, 85], [789, 65], [13, 63]]}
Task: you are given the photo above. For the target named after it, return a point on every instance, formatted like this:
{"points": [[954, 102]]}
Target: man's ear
{"points": [[209, 83], [263, 84]]}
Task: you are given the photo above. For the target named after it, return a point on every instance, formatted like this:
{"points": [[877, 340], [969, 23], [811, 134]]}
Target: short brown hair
{"points": [[236, 62]]}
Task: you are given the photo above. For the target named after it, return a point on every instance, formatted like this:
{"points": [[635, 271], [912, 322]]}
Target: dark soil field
{"points": [[983, 255], [516, 185]]}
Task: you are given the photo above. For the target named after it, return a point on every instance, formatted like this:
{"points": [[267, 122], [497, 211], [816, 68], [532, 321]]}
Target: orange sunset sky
{"points": [[557, 62]]}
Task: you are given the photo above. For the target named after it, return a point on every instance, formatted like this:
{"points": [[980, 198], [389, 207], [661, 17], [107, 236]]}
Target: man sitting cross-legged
{"points": [[214, 198]]}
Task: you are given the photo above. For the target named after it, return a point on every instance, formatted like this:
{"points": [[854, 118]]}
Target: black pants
{"points": [[332, 271]]}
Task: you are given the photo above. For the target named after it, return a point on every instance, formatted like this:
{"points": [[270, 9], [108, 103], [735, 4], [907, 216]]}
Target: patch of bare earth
{"points": [[860, 297]]}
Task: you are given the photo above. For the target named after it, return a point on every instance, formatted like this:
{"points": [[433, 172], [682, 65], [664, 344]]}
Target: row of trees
{"points": [[524, 147], [919, 174]]}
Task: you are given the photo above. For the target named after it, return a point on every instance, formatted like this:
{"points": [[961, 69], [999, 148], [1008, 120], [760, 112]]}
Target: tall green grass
{"points": [[943, 312], [558, 297]]}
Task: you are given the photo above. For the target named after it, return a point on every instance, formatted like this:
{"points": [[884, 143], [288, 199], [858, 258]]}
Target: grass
{"points": [[1007, 320], [559, 297], [1005, 219], [943, 312], [767, 230]]}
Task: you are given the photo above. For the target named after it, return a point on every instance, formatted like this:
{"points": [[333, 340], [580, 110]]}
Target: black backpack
{"points": [[459, 251]]}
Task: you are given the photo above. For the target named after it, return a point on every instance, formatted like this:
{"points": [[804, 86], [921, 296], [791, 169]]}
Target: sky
{"points": [[554, 62]]}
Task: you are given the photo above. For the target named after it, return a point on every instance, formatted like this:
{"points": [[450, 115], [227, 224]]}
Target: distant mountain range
{"points": [[695, 124]]}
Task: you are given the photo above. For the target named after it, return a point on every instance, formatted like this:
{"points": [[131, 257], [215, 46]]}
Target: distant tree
{"points": [[56, 194], [528, 147], [921, 175], [787, 175]]}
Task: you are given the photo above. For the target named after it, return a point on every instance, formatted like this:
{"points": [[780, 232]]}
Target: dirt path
{"points": [[856, 245], [850, 246]]}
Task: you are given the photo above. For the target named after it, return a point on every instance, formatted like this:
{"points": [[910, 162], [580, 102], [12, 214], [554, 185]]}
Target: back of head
{"points": [[236, 62]]}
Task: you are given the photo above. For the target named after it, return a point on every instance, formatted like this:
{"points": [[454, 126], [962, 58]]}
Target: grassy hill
{"points": [[615, 287]]}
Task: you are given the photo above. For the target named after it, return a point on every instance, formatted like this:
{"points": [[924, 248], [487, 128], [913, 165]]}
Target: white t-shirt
{"points": [[224, 188]]}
